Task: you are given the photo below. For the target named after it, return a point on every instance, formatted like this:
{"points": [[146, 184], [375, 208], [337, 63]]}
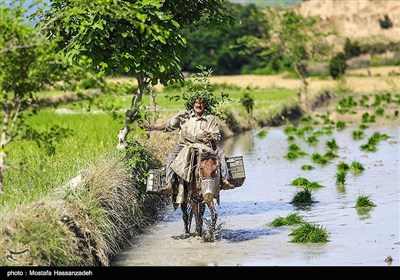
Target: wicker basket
{"points": [[156, 180], [236, 170]]}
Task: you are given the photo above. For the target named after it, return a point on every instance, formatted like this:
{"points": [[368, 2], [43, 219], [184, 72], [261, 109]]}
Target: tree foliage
{"points": [[217, 48], [140, 39], [26, 66], [291, 36]]}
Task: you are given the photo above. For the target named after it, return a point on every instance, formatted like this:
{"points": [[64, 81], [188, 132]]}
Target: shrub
{"points": [[386, 22], [337, 66]]}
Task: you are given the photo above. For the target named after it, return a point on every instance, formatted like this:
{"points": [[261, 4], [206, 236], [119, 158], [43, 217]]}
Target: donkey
{"points": [[200, 191]]}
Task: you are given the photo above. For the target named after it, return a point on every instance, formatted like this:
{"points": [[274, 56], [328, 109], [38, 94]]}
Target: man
{"points": [[196, 126]]}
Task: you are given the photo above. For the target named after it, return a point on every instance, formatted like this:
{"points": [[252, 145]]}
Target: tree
{"points": [[292, 36], [26, 66], [140, 39], [337, 66]]}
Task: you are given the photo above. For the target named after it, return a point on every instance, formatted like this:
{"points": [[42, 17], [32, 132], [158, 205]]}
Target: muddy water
{"points": [[245, 239]]}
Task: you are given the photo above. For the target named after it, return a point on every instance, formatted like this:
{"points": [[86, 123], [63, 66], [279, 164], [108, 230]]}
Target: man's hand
{"points": [[204, 137], [146, 126], [207, 139]]}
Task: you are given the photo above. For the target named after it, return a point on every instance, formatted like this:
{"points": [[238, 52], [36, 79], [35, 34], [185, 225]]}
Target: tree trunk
{"points": [[131, 114], [153, 104], [304, 91], [3, 143]]}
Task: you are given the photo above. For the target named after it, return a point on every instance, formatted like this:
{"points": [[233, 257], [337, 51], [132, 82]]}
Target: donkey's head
{"points": [[208, 167]]}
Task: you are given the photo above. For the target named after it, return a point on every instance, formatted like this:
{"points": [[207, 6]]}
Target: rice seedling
{"points": [[290, 138], [366, 118], [327, 130], [373, 142], [303, 197], [364, 201], [363, 126], [303, 130], [306, 120], [307, 167], [342, 166], [330, 155], [289, 220], [294, 152], [317, 158], [312, 140], [358, 134], [309, 233], [314, 185], [363, 101], [379, 111], [340, 125], [291, 156], [290, 130], [262, 134], [357, 167], [331, 144], [341, 177], [293, 148], [300, 182], [368, 147], [318, 133]]}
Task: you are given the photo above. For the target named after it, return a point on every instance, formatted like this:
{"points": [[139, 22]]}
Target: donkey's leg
{"points": [[195, 210], [186, 217], [199, 227], [214, 215]]}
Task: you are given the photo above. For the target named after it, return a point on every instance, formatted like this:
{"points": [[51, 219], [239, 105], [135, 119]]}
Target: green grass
{"points": [[309, 233], [38, 173], [289, 220]]}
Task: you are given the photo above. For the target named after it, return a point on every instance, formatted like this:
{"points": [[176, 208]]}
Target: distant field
{"points": [[362, 83]]}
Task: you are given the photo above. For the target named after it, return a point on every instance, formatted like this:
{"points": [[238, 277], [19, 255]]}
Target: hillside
{"points": [[356, 19]]}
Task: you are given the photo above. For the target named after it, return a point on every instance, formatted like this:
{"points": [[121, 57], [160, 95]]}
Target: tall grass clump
{"points": [[289, 220], [364, 202], [39, 227], [309, 233], [92, 219], [341, 177], [302, 197]]}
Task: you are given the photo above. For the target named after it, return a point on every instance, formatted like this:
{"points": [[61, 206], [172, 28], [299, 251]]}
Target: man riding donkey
{"points": [[196, 124]]}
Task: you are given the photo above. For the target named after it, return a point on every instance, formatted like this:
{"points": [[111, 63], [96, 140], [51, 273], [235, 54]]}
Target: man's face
{"points": [[199, 106]]}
